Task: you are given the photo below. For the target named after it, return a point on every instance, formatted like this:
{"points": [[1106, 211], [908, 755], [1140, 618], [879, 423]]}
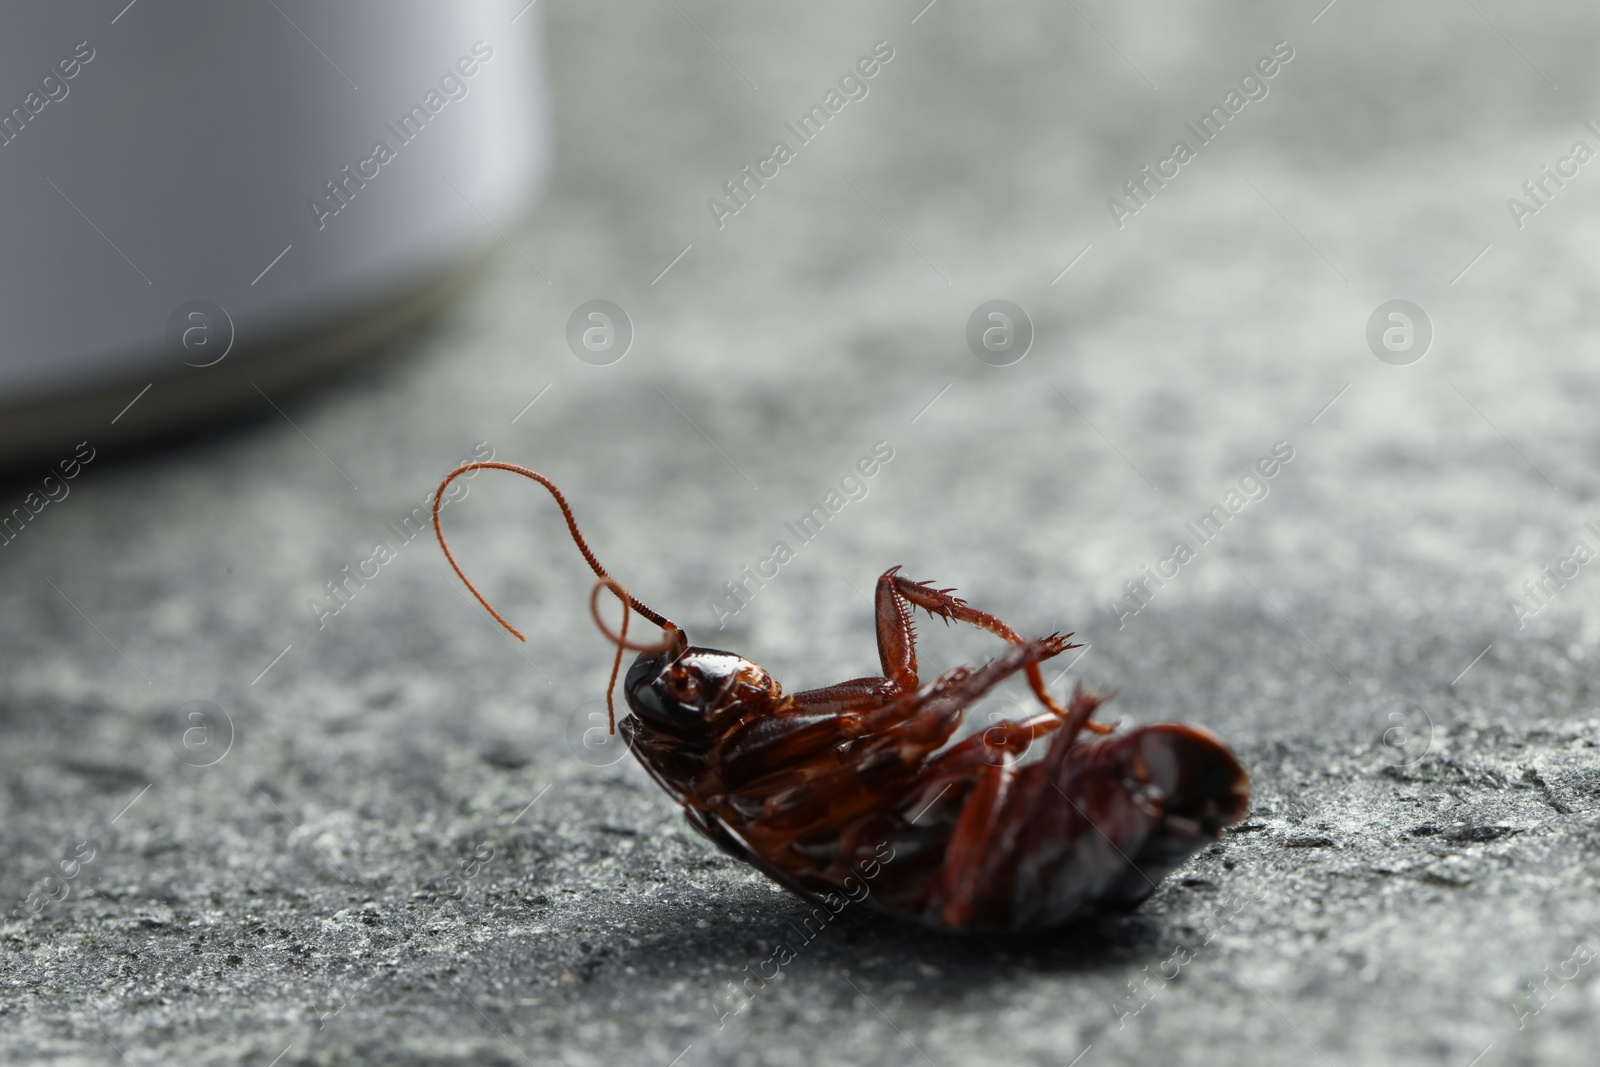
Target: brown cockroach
{"points": [[811, 787]]}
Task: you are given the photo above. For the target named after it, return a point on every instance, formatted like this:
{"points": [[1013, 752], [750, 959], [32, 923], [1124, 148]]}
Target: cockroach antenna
{"points": [[672, 637]]}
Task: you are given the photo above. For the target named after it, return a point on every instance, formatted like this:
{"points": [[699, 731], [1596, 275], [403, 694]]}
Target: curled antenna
{"points": [[673, 636]]}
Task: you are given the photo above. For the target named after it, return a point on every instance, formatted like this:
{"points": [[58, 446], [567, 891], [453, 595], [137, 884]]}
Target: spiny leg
{"points": [[897, 655], [960, 688], [971, 853], [897, 634], [939, 603]]}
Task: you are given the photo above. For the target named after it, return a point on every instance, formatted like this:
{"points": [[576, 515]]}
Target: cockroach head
{"points": [[689, 691]]}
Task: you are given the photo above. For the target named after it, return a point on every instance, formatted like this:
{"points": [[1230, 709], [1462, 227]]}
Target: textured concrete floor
{"points": [[409, 854]]}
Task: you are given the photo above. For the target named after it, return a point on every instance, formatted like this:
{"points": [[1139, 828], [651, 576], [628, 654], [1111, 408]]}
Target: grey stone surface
{"points": [[1385, 903]]}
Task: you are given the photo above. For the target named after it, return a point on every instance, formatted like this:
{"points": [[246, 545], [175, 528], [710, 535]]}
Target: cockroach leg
{"points": [[857, 695], [959, 689], [964, 872], [897, 633], [897, 654], [896, 593]]}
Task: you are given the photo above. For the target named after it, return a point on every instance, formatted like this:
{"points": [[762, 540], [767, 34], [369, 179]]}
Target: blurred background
{"points": [[333, 814]]}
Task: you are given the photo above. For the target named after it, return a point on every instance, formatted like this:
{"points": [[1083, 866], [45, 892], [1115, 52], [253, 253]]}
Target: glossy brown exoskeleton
{"points": [[864, 783]]}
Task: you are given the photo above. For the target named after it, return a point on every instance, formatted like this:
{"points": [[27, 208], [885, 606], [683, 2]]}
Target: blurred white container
{"points": [[210, 199]]}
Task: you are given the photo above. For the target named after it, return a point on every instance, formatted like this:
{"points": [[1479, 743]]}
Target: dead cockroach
{"points": [[860, 780]]}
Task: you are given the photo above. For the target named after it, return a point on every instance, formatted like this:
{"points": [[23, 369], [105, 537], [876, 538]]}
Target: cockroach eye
{"points": [[685, 687]]}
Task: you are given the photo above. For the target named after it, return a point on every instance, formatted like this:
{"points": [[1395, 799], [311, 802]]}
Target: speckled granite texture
{"points": [[410, 854]]}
